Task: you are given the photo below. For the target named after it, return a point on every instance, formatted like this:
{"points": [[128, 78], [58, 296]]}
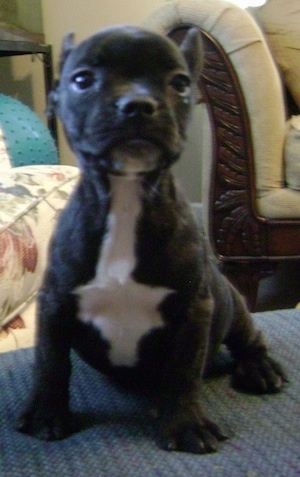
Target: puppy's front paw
{"points": [[46, 422], [259, 376], [187, 430]]}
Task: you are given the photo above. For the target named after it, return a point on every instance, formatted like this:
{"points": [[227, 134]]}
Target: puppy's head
{"points": [[124, 98]]}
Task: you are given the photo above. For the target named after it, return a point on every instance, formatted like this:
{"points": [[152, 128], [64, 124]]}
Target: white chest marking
{"points": [[121, 308]]}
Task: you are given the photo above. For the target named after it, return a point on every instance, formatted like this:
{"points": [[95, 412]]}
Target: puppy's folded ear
{"points": [[67, 47], [192, 49]]}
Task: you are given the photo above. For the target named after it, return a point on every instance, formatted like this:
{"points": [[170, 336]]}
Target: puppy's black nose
{"points": [[143, 106]]}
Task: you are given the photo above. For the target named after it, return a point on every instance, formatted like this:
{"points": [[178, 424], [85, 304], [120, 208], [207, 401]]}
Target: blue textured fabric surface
{"points": [[119, 438], [27, 139]]}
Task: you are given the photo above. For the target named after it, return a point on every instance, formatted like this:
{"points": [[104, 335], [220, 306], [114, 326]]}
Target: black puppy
{"points": [[129, 285]]}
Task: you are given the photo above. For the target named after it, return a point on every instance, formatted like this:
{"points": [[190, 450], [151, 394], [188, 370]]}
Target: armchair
{"points": [[251, 199], [34, 188]]}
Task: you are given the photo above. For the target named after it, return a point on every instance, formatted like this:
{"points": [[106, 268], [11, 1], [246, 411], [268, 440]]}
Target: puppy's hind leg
{"points": [[255, 370]]}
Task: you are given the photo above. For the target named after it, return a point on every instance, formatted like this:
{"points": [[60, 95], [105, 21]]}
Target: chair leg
{"points": [[245, 276]]}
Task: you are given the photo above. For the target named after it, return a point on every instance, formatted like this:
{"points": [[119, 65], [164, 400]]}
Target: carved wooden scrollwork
{"points": [[235, 229], [236, 232]]}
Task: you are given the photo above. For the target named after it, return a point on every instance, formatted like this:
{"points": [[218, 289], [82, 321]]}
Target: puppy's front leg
{"points": [[47, 414], [183, 424]]}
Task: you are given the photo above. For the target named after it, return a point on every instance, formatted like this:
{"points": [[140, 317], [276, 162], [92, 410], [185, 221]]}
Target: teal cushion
{"points": [[27, 139]]}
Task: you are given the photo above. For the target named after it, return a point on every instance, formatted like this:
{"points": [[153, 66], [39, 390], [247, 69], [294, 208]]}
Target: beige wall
{"points": [[87, 16]]}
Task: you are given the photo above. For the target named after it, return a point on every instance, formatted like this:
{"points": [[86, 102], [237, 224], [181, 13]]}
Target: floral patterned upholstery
{"points": [[31, 198]]}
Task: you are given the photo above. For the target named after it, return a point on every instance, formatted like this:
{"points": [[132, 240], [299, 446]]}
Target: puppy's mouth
{"points": [[135, 156]]}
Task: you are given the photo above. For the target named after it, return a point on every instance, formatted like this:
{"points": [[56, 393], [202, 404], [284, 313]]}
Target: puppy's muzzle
{"points": [[139, 154]]}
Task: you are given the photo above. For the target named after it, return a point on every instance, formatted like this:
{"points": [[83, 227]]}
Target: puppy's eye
{"points": [[83, 80], [182, 84]]}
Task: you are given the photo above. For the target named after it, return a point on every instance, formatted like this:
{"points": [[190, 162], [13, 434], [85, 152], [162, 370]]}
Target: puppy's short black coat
{"points": [[130, 285]]}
